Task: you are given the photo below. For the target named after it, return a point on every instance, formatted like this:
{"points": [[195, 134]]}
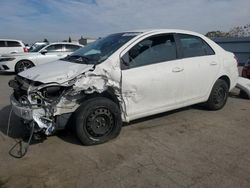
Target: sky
{"points": [[56, 20]]}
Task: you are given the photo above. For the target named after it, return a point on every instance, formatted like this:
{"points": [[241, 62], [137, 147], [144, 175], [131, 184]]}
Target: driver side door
{"points": [[151, 78]]}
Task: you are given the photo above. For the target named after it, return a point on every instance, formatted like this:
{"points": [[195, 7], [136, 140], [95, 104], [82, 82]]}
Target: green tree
{"points": [[212, 34]]}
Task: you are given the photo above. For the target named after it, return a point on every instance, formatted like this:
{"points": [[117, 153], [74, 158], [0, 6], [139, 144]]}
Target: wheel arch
{"points": [[109, 94], [23, 60], [226, 79], [221, 77]]}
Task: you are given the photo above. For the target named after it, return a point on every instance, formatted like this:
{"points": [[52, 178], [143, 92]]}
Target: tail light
{"points": [[237, 61], [25, 49]]}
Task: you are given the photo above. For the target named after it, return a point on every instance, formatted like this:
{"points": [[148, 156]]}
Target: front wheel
{"points": [[23, 65], [218, 96], [98, 120]]}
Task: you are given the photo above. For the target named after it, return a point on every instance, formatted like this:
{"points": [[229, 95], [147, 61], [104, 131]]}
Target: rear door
{"points": [[14, 47], [150, 82], [199, 64]]}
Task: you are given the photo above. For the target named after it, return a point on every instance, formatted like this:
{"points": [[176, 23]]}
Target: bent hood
{"points": [[57, 71]]}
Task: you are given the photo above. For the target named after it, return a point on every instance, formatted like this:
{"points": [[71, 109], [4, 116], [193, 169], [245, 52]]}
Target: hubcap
{"points": [[100, 123], [220, 96]]}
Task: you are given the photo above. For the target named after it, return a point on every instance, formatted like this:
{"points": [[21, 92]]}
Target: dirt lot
{"points": [[187, 148]]}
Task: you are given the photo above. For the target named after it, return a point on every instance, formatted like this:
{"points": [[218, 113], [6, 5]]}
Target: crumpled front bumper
{"points": [[20, 110], [36, 115]]}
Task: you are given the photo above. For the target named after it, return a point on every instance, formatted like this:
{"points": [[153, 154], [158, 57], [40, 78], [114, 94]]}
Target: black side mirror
{"points": [[44, 51], [124, 64]]}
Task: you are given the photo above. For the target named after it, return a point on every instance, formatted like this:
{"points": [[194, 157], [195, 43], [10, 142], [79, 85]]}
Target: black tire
{"points": [[97, 120], [23, 65], [218, 96]]}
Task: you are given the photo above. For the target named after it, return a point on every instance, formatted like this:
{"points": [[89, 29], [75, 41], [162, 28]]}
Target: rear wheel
{"points": [[218, 96], [23, 65], [98, 120]]}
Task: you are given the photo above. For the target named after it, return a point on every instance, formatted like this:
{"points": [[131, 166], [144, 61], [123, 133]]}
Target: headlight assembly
{"points": [[52, 91]]}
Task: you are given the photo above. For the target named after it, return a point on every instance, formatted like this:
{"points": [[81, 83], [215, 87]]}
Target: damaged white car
{"points": [[122, 77]]}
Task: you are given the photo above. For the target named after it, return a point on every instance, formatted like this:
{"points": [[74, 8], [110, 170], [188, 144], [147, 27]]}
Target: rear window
{"points": [[71, 47], [193, 46], [55, 48], [13, 44]]}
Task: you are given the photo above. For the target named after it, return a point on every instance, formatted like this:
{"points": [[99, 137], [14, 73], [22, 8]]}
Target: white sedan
{"points": [[42, 54], [123, 77]]}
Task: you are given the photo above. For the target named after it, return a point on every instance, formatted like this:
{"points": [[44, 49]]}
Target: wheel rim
{"points": [[24, 65], [99, 123], [219, 96]]}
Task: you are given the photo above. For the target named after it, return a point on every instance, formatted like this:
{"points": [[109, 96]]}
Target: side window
{"points": [[54, 48], [152, 50], [71, 47], [193, 46], [2, 43], [13, 44]]}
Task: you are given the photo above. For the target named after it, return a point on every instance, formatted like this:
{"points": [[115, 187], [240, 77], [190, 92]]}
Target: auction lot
{"points": [[186, 148]]}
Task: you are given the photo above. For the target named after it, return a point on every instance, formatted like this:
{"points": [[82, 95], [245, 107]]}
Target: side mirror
{"points": [[44, 51], [124, 64], [124, 61]]}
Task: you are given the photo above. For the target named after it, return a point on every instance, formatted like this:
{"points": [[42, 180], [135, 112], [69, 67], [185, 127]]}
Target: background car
{"points": [[8, 46], [36, 45], [246, 70], [39, 55], [244, 93]]}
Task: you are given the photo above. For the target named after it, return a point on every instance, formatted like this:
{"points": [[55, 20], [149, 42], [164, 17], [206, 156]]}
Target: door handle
{"points": [[213, 63], [177, 69]]}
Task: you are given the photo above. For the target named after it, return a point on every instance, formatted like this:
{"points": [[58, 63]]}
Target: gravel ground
{"points": [[185, 148]]}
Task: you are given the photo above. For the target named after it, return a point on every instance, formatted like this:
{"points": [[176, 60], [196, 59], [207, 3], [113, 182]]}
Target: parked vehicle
{"points": [[246, 70], [41, 54], [243, 85], [122, 77], [35, 45], [9, 46]]}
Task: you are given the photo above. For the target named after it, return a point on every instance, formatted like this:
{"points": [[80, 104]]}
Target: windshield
{"points": [[37, 47], [101, 49]]}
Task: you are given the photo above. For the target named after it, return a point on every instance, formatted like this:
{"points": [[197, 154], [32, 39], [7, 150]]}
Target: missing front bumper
{"points": [[21, 111], [38, 116]]}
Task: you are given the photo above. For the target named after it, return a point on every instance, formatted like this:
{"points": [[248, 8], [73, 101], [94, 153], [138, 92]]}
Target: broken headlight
{"points": [[51, 92]]}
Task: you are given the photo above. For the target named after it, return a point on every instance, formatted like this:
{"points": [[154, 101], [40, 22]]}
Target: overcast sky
{"points": [[32, 20]]}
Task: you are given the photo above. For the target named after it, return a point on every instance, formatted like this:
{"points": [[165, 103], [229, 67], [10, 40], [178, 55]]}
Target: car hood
{"points": [[57, 71]]}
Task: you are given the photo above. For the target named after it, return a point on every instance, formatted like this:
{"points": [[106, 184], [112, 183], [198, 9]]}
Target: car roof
{"points": [[144, 31], [10, 40], [64, 43]]}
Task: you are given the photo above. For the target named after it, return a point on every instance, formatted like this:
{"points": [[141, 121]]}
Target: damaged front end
{"points": [[49, 106]]}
